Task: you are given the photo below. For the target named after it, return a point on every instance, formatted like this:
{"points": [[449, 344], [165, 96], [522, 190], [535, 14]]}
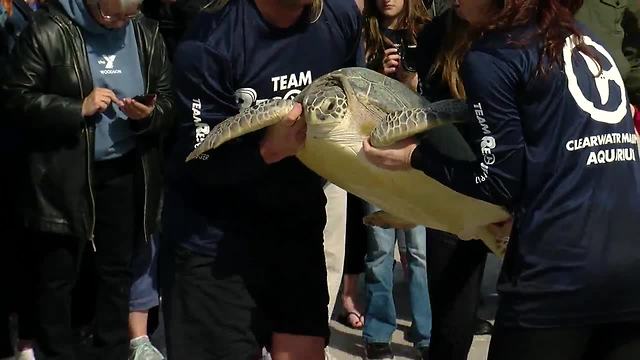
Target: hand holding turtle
{"points": [[395, 157], [285, 138]]}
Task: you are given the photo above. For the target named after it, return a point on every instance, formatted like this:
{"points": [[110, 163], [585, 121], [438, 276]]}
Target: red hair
{"points": [[6, 4], [554, 20]]}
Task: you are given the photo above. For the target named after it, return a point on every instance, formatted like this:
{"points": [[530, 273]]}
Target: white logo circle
{"points": [[245, 97], [602, 83]]}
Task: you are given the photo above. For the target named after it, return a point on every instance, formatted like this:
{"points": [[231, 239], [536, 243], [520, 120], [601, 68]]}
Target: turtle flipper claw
{"points": [[249, 120]]}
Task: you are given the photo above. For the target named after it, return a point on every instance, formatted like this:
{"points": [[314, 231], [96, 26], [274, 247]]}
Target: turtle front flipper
{"points": [[249, 120], [385, 220], [402, 124]]}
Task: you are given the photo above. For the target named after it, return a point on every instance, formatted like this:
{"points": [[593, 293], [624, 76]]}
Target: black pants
{"points": [[118, 195], [210, 314], [356, 237], [604, 342], [455, 270], [226, 307], [17, 275]]}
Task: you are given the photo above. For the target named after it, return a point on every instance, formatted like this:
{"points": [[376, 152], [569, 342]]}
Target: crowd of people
{"points": [[243, 251]]}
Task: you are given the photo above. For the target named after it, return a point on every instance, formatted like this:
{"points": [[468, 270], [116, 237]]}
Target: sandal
{"points": [[344, 320]]}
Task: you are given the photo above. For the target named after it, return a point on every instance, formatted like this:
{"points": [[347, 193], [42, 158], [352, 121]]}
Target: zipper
{"points": [[89, 162], [145, 173], [86, 134]]}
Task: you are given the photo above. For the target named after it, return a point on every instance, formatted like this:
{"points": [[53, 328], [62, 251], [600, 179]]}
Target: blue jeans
{"points": [[144, 287], [380, 317]]}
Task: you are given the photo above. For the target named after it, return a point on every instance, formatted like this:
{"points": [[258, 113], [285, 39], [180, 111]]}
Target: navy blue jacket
{"points": [[561, 153]]}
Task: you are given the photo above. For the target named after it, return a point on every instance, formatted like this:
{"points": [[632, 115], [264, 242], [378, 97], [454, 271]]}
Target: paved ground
{"points": [[346, 343]]}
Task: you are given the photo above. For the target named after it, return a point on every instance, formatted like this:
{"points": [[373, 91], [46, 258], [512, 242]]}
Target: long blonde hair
{"points": [[314, 10], [455, 45], [413, 17]]}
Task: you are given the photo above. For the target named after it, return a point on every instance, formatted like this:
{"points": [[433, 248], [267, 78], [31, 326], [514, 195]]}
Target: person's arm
{"points": [[25, 97], [353, 29], [497, 136], [161, 119], [631, 50]]}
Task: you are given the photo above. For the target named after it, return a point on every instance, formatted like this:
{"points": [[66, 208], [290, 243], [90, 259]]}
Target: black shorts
{"points": [[228, 306]]}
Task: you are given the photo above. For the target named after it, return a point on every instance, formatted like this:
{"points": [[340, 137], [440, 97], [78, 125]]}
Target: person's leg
{"points": [[207, 315], [614, 342], [6, 283], [144, 296], [118, 229], [355, 251], [17, 264], [537, 344], [294, 347], [26, 306], [292, 255], [58, 260], [334, 239], [418, 286], [380, 312], [351, 316], [454, 270]]}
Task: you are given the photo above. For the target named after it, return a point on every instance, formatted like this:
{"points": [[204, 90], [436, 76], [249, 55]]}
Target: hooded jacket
{"points": [[49, 77]]}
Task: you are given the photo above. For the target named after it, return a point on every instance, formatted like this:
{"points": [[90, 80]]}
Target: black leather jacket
{"points": [[48, 79]]}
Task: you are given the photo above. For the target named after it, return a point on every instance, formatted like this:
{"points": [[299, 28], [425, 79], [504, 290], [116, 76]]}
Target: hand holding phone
{"points": [[140, 107], [147, 99]]}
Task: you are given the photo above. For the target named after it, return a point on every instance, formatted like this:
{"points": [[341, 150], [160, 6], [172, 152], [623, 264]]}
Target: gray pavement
{"points": [[346, 343]]}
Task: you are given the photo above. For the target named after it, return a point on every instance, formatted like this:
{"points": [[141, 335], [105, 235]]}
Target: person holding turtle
{"points": [[555, 145], [244, 253]]}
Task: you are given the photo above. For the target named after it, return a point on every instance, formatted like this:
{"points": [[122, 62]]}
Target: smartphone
{"points": [[409, 57], [147, 99]]}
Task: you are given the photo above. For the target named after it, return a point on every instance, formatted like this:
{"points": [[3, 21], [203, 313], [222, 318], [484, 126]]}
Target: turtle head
{"points": [[326, 107]]}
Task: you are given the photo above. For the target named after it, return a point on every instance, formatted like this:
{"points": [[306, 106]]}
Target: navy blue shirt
{"points": [[232, 59], [561, 153]]}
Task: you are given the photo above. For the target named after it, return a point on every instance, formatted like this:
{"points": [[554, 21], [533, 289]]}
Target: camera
{"points": [[408, 51], [408, 56]]}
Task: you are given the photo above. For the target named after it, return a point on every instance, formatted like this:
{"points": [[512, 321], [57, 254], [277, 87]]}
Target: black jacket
{"points": [[49, 77]]}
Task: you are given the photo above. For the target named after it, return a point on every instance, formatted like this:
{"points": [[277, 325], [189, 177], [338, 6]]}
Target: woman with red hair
{"points": [[555, 144]]}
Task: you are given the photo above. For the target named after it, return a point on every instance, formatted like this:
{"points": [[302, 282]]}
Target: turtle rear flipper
{"points": [[249, 120], [385, 220], [402, 124]]}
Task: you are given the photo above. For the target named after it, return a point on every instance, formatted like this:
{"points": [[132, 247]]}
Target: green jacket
{"points": [[616, 23]]}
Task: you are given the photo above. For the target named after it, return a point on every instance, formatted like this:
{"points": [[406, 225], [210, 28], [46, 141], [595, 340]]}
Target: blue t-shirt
{"points": [[231, 59], [560, 152]]}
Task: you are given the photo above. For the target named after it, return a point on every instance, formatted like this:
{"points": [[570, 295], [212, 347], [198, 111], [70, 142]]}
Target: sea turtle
{"points": [[346, 106]]}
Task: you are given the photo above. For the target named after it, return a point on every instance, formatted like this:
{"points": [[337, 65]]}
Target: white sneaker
{"points": [[25, 355], [142, 349], [328, 356]]}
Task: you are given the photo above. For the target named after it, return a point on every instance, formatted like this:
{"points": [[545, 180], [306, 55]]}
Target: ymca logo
{"points": [[607, 83], [108, 62]]}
